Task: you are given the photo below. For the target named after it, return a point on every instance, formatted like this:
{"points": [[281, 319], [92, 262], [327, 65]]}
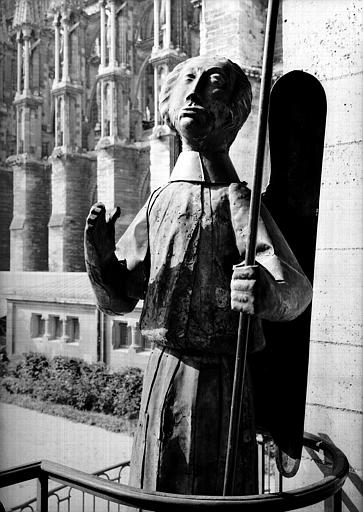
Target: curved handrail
{"points": [[37, 467], [158, 501]]}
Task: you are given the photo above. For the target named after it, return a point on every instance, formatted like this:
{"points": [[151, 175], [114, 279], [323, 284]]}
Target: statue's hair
{"points": [[240, 103]]}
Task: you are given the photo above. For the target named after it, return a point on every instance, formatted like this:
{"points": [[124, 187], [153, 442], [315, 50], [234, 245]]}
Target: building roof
{"points": [[65, 287]]}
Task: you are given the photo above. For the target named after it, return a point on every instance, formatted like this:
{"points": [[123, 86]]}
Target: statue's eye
{"points": [[217, 80], [189, 77]]}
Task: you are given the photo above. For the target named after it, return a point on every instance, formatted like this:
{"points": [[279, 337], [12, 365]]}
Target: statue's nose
{"points": [[195, 91], [193, 97]]}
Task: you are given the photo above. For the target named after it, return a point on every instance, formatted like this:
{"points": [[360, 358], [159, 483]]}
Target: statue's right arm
{"points": [[117, 286]]}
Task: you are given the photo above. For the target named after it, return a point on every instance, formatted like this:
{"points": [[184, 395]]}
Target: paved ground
{"points": [[27, 436]]}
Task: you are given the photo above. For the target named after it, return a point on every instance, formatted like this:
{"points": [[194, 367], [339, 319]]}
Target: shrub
{"points": [[71, 381]]}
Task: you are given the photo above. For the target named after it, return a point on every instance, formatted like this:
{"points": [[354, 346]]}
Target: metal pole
{"points": [[244, 321], [337, 501], [42, 493]]}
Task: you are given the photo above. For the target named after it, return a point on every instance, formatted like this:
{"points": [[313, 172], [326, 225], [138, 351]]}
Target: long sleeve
{"points": [[121, 283], [133, 250], [286, 290]]}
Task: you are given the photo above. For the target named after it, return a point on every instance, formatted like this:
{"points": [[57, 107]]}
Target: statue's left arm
{"points": [[276, 288]]}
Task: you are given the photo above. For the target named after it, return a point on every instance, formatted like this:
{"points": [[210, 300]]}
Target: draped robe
{"points": [[180, 251]]}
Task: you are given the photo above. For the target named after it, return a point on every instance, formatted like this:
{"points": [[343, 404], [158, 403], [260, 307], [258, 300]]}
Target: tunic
{"points": [[180, 251]]}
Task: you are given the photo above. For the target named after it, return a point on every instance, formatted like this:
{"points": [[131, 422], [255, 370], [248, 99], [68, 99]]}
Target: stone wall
{"points": [[6, 213], [324, 38], [236, 29], [121, 170], [20, 338], [73, 191], [29, 230]]}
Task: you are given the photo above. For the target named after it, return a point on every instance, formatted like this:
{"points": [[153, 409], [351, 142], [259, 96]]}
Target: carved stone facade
{"points": [[77, 109]]}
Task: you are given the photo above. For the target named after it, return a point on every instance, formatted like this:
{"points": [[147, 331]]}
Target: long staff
{"points": [[244, 319]]}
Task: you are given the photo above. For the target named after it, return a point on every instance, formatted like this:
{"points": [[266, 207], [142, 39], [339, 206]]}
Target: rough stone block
{"points": [[340, 211], [338, 297], [335, 375], [344, 107], [331, 32]]}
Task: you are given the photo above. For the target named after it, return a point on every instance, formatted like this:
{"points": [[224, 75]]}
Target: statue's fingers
{"points": [[97, 209], [99, 205], [114, 214], [95, 213], [243, 302]]}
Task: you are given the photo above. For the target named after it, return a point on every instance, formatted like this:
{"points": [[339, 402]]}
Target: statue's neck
{"points": [[212, 168], [218, 167]]}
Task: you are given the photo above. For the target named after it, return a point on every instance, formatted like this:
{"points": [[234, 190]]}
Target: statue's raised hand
{"points": [[100, 235]]}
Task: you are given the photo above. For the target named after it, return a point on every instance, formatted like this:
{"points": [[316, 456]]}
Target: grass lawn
{"points": [[106, 421]]}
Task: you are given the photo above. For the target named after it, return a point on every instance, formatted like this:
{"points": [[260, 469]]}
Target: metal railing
{"points": [[105, 490], [64, 498]]}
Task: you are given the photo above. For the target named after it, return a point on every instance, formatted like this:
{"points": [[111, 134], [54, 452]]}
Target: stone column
{"points": [[56, 48], [167, 24], [65, 70], [123, 39], [112, 107], [112, 60], [202, 49], [236, 28], [103, 33], [103, 106], [47, 333], [19, 62], [26, 37], [156, 25], [156, 96], [64, 337], [135, 345]]}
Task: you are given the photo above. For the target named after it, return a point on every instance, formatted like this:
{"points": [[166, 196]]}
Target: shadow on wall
{"points": [[353, 477]]}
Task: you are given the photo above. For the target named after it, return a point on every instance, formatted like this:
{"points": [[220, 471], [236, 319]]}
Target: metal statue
{"points": [[183, 254]]}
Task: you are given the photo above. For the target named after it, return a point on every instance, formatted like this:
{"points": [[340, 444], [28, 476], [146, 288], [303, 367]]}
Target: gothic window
{"points": [[93, 116], [106, 107], [32, 132], [121, 336], [147, 100], [74, 140], [21, 130], [96, 49], [35, 70], [37, 326], [59, 122], [13, 74], [45, 149]]}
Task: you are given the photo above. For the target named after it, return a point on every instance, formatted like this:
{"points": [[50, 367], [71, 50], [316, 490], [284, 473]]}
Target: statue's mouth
{"points": [[192, 111]]}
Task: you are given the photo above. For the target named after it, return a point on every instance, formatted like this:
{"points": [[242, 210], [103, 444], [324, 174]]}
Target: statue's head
{"points": [[206, 100]]}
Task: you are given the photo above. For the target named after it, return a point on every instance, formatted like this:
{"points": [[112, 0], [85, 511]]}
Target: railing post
{"points": [[42, 493], [337, 501]]}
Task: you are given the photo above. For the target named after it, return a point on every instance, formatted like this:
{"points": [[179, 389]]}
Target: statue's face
{"points": [[199, 102]]}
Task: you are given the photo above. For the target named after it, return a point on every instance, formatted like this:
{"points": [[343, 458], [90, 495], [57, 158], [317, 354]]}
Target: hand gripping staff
{"points": [[244, 319]]}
